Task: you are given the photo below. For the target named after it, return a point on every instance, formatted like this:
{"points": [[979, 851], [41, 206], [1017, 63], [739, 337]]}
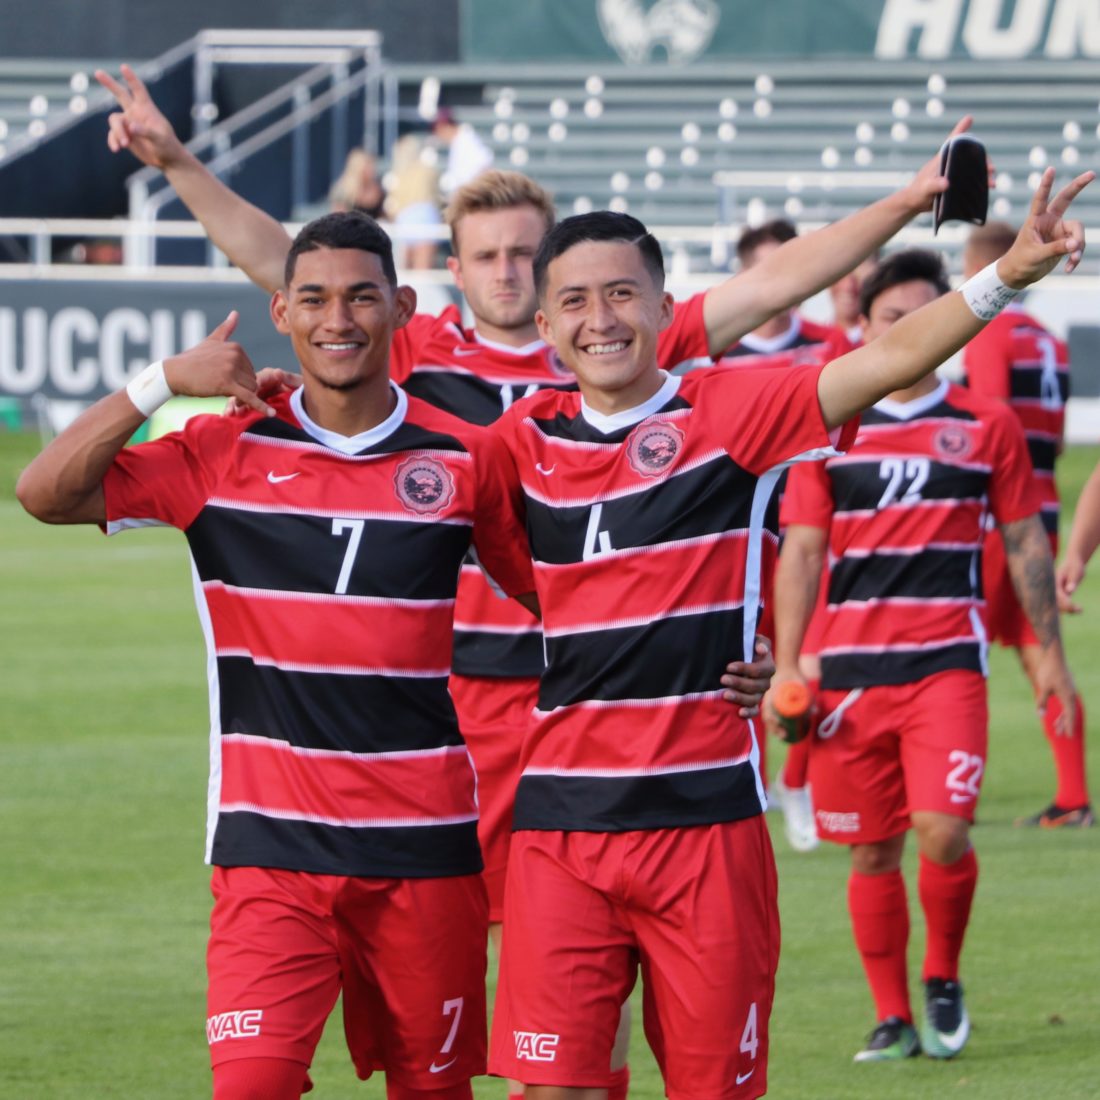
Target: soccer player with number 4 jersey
{"points": [[639, 839], [902, 736], [1016, 360]]}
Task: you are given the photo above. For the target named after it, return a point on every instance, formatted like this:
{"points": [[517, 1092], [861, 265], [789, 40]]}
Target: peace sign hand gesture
{"points": [[1046, 235], [139, 126]]}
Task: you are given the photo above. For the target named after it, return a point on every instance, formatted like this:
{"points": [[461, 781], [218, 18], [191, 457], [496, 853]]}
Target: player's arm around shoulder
{"points": [[500, 533]]}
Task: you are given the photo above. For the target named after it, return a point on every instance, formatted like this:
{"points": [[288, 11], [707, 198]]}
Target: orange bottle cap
{"points": [[791, 699]]}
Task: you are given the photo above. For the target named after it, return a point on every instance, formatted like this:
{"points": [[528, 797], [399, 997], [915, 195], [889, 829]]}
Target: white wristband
{"points": [[149, 390], [985, 294]]}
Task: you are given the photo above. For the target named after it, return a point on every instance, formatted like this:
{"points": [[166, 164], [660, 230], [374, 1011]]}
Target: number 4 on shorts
{"points": [[749, 1040]]}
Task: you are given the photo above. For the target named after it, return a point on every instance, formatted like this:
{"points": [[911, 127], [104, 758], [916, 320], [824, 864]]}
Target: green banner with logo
{"points": [[679, 32]]}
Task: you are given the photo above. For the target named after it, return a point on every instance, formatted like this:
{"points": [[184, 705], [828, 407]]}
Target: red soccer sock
{"points": [[797, 764], [946, 892], [1069, 755], [260, 1079], [880, 924], [618, 1083]]}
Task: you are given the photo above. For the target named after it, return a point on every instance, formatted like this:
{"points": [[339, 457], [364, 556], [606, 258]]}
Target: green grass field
{"points": [[105, 902]]}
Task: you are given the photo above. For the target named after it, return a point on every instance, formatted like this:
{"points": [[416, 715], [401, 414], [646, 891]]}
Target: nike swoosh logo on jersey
{"points": [[542, 470], [743, 1077], [275, 478], [433, 1068], [465, 351]]}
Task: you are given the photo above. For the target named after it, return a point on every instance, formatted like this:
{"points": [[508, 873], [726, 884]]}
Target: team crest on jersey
{"points": [[654, 447], [424, 485], [953, 442]]}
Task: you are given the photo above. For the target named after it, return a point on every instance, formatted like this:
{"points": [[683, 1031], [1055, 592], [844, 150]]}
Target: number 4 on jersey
{"points": [[596, 542]]}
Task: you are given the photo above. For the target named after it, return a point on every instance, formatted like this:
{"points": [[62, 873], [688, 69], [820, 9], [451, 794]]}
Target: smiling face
{"points": [[602, 310], [492, 268], [340, 312]]}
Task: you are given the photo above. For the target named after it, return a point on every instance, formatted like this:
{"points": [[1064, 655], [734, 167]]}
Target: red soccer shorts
{"points": [[694, 907], [409, 955], [887, 751], [1004, 617], [493, 715]]}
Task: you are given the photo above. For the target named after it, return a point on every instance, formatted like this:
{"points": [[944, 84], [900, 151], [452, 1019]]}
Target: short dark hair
{"points": [[601, 225], [352, 229], [908, 266], [779, 231]]}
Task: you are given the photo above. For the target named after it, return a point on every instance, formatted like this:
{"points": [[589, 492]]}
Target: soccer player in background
{"points": [[326, 539], [1015, 359], [844, 294], [786, 340], [902, 735], [639, 837]]}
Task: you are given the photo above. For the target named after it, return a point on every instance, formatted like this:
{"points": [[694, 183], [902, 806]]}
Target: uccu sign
{"points": [[82, 340]]}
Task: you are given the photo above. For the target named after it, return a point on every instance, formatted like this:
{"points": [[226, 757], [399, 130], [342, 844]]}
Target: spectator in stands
{"points": [[358, 187], [467, 154], [413, 203]]}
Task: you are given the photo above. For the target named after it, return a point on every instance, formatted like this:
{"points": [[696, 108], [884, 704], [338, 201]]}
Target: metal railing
{"points": [[343, 64]]}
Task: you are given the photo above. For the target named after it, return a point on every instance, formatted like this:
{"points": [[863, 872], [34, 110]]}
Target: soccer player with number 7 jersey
{"points": [[902, 738], [639, 839], [326, 532]]}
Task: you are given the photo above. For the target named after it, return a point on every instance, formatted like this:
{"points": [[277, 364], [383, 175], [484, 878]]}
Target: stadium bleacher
{"points": [[36, 94], [652, 140], [697, 151]]}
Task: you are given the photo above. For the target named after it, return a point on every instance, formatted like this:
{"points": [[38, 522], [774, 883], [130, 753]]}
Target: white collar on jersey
{"points": [[351, 444], [627, 418], [508, 349], [765, 345], [909, 410]]}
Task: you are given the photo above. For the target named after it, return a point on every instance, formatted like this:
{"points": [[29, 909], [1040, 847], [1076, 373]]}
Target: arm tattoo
{"points": [[1031, 567]]}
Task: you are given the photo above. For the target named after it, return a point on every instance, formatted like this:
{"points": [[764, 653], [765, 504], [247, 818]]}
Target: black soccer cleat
{"points": [[891, 1041], [946, 1026], [1061, 817]]}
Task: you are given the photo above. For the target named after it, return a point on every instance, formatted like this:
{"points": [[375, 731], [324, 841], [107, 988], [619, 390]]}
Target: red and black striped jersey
{"points": [[1015, 359], [805, 342], [906, 512], [652, 547], [325, 577], [451, 367]]}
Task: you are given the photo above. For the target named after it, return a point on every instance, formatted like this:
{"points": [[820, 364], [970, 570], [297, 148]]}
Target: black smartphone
{"points": [[966, 199]]}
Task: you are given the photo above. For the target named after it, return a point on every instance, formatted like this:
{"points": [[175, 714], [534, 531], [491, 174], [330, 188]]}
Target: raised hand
{"points": [[1046, 235], [928, 182], [217, 367], [139, 126]]}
